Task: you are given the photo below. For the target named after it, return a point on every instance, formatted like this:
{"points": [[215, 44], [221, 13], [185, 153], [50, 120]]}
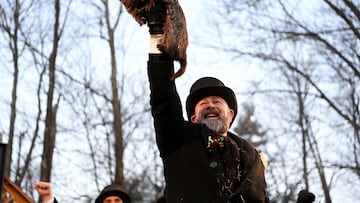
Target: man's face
{"points": [[214, 112], [113, 199]]}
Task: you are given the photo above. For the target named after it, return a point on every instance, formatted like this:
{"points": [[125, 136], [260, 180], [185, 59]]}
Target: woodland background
{"points": [[74, 93]]}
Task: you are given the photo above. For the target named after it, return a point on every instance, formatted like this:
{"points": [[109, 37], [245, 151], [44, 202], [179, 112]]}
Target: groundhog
{"points": [[175, 37]]}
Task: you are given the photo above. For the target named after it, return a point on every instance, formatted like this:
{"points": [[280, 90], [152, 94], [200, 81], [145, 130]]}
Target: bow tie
{"points": [[215, 142]]}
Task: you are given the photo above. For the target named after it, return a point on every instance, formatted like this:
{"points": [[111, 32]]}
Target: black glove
{"points": [[305, 196], [155, 17]]}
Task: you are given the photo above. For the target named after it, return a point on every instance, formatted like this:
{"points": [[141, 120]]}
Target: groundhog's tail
{"points": [[181, 71]]}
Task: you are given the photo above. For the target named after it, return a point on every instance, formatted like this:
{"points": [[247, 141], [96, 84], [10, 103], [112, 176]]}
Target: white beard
{"points": [[219, 125]]}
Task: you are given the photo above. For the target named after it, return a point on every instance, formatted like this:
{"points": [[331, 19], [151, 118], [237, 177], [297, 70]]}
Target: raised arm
{"points": [[44, 190]]}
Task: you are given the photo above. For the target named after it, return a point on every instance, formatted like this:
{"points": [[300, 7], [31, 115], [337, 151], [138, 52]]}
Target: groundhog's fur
{"points": [[175, 38]]}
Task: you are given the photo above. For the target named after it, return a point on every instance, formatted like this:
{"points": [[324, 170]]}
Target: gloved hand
{"points": [[305, 196], [155, 17]]}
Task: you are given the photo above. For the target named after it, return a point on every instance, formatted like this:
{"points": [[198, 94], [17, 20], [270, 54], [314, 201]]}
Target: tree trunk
{"points": [[15, 55], [50, 120], [115, 101]]}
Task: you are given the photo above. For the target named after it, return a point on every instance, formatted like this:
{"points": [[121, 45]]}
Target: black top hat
{"points": [[209, 86], [113, 190]]}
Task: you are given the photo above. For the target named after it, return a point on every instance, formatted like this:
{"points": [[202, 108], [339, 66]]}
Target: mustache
{"points": [[210, 111]]}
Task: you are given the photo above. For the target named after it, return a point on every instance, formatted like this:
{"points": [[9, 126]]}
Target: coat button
{"points": [[213, 164]]}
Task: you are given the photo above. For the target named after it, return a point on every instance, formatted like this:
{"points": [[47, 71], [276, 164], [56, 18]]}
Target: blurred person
{"points": [[113, 193]]}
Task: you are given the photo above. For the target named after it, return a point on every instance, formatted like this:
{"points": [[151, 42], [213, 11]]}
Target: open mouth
{"points": [[211, 115]]}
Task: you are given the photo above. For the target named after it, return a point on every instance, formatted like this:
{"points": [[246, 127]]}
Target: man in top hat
{"points": [[113, 193], [203, 161]]}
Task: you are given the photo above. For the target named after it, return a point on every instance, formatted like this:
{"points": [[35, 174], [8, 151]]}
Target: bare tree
{"points": [[115, 101], [304, 122], [74, 120], [10, 23], [17, 32], [17, 26], [315, 43], [51, 110], [125, 119], [249, 128], [50, 120]]}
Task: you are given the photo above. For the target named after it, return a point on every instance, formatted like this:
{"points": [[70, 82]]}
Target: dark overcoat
{"points": [[195, 171]]}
